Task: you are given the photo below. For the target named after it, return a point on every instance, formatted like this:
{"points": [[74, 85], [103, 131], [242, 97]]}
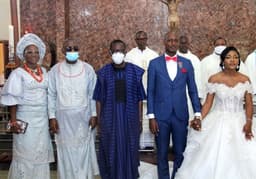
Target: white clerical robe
{"points": [[210, 65], [142, 59], [250, 63], [197, 72], [70, 102]]}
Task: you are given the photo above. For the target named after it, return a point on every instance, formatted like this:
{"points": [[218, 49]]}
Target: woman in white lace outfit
{"points": [[224, 148], [26, 95]]}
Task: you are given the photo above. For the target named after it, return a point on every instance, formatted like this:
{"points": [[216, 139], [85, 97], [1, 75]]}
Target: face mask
{"points": [[118, 58], [72, 56], [219, 49]]}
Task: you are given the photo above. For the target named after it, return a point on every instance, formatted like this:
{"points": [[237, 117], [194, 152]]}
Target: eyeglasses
{"points": [[32, 52], [70, 48]]}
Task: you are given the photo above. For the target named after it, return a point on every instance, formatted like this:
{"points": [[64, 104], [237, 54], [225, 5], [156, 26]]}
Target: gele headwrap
{"points": [[30, 39]]}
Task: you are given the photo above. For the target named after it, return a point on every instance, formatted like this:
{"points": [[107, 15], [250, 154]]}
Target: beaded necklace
{"points": [[39, 77], [70, 76]]}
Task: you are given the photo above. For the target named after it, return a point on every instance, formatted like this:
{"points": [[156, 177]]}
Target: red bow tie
{"points": [[168, 58]]}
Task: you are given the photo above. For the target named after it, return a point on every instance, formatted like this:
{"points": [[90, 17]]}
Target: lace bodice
{"points": [[229, 99]]}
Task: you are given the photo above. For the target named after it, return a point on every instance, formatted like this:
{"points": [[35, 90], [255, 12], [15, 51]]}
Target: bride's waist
{"points": [[228, 110]]}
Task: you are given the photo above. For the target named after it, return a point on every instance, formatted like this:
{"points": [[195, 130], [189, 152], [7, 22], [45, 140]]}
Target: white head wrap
{"points": [[30, 39]]}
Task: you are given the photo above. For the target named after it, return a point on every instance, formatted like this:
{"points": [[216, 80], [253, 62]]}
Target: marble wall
{"points": [[96, 23]]}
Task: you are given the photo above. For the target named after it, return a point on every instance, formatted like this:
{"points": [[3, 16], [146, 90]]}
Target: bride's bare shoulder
{"points": [[243, 78], [216, 78]]}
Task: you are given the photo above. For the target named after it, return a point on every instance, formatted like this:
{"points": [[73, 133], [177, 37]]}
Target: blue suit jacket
{"points": [[166, 96]]}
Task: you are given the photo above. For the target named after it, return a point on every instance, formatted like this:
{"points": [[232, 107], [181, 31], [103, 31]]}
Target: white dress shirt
{"points": [[171, 66]]}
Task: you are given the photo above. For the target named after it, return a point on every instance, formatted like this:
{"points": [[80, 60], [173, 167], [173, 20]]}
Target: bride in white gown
{"points": [[224, 148]]}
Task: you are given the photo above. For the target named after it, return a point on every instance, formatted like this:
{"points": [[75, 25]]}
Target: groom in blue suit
{"points": [[168, 77]]}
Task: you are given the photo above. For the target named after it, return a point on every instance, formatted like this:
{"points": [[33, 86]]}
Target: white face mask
{"points": [[118, 58], [219, 49]]}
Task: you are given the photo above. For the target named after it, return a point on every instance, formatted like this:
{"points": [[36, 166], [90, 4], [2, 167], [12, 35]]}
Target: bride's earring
{"points": [[237, 67], [222, 66]]}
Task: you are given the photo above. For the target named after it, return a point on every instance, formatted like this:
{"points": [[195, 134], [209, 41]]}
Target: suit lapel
{"points": [[179, 66]]}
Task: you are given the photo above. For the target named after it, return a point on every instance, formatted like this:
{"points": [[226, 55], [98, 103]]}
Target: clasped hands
{"points": [[153, 126], [196, 123]]}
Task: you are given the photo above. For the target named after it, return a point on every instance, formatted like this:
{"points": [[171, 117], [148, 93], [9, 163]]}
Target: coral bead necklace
{"points": [[39, 77]]}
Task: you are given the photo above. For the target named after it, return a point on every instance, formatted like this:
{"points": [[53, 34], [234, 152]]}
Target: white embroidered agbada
{"points": [[250, 63], [70, 102], [32, 151], [197, 71], [211, 65], [142, 59]]}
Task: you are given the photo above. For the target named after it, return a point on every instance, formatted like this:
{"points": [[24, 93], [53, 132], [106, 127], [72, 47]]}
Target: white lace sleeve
{"points": [[248, 87], [210, 88], [12, 92]]}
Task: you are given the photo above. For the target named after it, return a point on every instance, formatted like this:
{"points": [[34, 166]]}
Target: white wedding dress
{"points": [[220, 150]]}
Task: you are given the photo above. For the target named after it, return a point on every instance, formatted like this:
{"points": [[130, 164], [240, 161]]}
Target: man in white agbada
{"points": [[250, 63], [185, 52], [72, 110], [25, 92], [141, 56], [211, 64]]}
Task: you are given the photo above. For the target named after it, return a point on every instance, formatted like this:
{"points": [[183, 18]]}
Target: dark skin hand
{"points": [[153, 126], [93, 122], [140, 115], [247, 129], [15, 127], [196, 124], [54, 126], [141, 127]]}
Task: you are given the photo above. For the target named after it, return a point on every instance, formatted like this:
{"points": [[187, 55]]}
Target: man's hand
{"points": [[196, 123], [141, 126], [54, 127], [153, 126], [93, 122]]}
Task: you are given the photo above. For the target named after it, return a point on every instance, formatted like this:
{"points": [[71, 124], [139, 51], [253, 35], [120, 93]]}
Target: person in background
{"points": [[186, 53], [50, 57], [119, 94], [141, 56], [211, 64], [25, 93], [72, 113], [224, 148], [250, 63], [168, 78]]}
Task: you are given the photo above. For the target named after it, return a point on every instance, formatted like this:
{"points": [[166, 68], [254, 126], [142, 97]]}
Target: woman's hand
{"points": [[247, 129], [15, 127]]}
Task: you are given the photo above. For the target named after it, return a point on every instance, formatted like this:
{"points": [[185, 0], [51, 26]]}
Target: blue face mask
{"points": [[72, 56]]}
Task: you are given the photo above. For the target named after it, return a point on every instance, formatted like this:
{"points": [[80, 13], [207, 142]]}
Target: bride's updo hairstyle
{"points": [[224, 54]]}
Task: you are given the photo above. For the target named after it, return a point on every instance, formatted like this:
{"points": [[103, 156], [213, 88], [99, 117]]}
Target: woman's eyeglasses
{"points": [[70, 48], [32, 52]]}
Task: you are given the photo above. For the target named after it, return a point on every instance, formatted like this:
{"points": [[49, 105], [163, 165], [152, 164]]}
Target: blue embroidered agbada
{"points": [[119, 121]]}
